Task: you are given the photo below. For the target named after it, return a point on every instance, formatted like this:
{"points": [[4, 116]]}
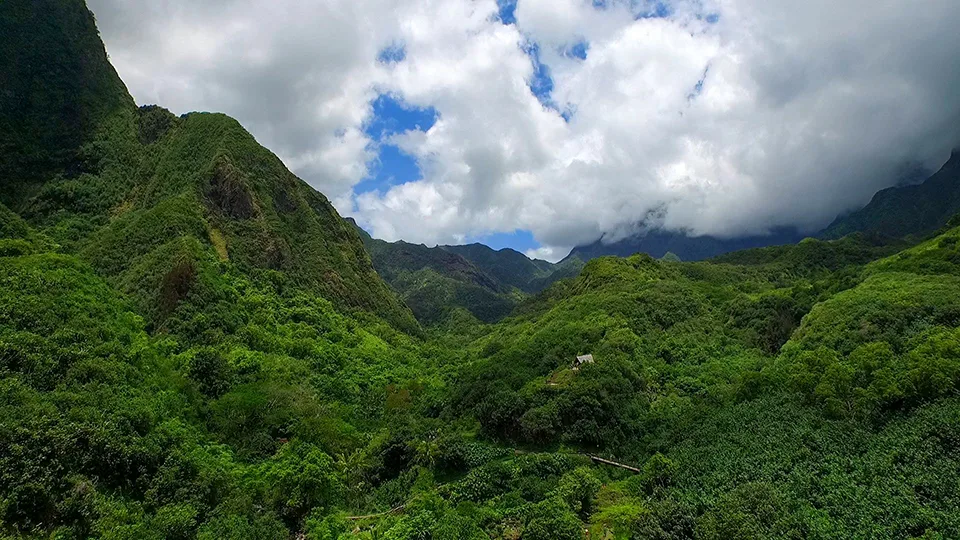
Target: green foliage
{"points": [[12, 227], [300, 479], [812, 255], [938, 255], [107, 428], [751, 511], [18, 238], [432, 297]]}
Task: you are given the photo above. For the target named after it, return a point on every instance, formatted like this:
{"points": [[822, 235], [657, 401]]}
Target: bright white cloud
{"points": [[779, 113]]}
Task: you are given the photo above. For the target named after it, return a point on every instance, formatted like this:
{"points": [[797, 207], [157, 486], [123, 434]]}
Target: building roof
{"points": [[585, 359]]}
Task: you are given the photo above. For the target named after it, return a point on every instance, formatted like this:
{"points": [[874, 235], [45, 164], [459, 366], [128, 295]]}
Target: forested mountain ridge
{"points": [[140, 193], [510, 267], [437, 284], [187, 350]]}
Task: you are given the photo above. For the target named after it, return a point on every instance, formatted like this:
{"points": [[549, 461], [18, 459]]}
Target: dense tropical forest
{"points": [[194, 344]]}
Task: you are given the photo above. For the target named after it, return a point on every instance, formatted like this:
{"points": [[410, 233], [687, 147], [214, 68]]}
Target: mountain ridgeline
{"points": [[447, 283], [193, 344], [658, 243], [917, 210]]}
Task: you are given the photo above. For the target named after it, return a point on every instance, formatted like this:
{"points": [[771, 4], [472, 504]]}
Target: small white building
{"points": [[581, 360]]}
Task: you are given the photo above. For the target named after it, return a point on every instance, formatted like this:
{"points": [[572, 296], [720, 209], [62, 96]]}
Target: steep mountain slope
{"points": [[658, 243], [128, 188], [206, 178], [907, 210], [58, 87], [110, 430]]}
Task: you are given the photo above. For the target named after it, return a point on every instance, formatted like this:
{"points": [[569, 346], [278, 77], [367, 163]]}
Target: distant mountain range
{"points": [[913, 209], [658, 243], [440, 282], [489, 284]]}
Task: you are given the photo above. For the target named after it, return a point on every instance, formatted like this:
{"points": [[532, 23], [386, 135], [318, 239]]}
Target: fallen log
{"points": [[370, 516], [613, 463]]}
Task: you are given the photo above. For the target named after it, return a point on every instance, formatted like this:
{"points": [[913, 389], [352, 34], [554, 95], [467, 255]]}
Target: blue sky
{"points": [[518, 240], [393, 167]]}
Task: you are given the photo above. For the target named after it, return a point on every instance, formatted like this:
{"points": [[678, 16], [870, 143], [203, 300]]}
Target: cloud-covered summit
{"points": [[568, 118]]}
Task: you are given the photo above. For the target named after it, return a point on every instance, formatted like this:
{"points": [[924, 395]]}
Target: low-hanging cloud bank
{"points": [[724, 117]]}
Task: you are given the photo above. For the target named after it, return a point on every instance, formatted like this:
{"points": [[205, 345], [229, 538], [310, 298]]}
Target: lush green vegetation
{"points": [[43, 126], [194, 345], [258, 410]]}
